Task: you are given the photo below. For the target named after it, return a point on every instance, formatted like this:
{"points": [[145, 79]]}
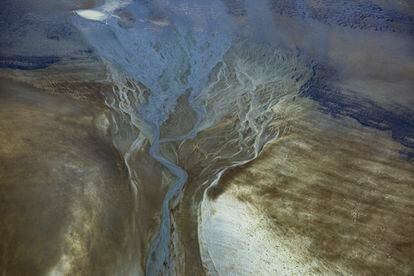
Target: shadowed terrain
{"points": [[64, 195]]}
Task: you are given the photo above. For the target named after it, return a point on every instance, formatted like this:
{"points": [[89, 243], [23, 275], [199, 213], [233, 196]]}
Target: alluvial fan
{"points": [[192, 137]]}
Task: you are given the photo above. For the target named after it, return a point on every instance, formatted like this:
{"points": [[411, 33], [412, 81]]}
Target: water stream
{"points": [[170, 51]]}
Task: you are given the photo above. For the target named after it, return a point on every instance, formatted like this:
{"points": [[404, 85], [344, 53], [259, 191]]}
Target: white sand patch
{"points": [[103, 12], [93, 15], [235, 240]]}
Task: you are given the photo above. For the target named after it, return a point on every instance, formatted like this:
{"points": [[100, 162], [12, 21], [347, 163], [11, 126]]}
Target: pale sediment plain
{"points": [[207, 138], [343, 218]]}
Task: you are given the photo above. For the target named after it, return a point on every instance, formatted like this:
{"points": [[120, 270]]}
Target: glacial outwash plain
{"points": [[194, 137]]}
